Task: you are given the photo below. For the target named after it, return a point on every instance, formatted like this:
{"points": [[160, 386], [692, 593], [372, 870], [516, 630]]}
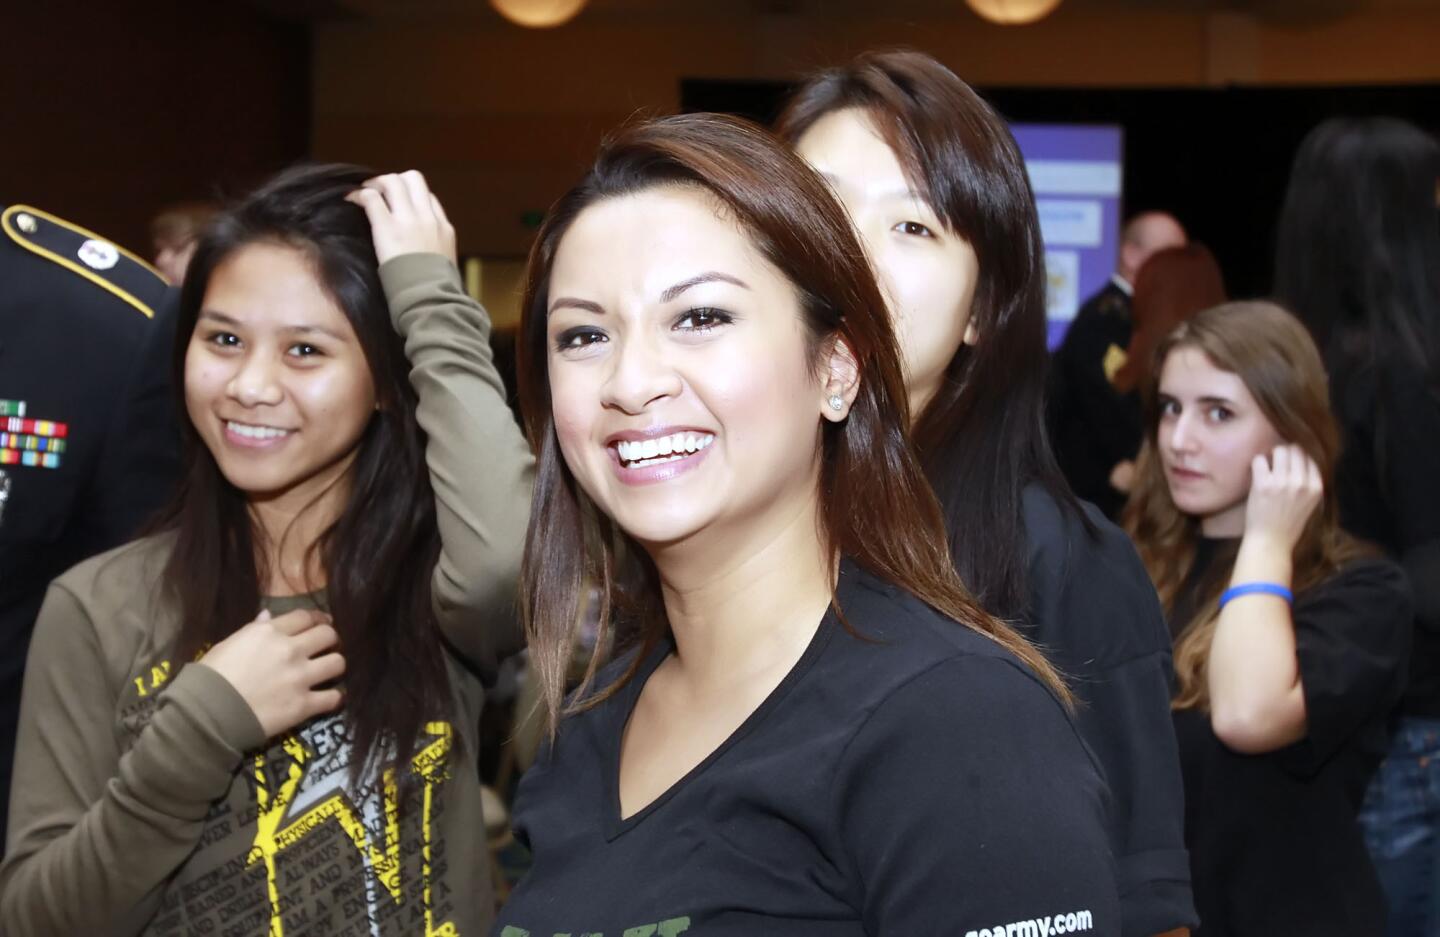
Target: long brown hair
{"points": [[1273, 354], [982, 438], [875, 505], [1170, 288], [395, 676]]}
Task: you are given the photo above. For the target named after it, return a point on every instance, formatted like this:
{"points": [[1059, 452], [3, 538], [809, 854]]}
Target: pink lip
{"points": [[661, 472], [1184, 474], [249, 442]]}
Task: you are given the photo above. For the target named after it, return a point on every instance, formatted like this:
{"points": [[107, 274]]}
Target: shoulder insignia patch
{"points": [[1113, 361], [85, 253], [1115, 304]]}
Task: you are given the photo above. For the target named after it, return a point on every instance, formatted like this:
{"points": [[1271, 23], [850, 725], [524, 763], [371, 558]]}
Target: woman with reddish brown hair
{"points": [[1172, 286], [1291, 637], [821, 731], [936, 187]]}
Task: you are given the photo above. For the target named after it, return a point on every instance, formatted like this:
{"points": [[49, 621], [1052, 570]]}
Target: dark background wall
{"points": [[1217, 158], [109, 110]]}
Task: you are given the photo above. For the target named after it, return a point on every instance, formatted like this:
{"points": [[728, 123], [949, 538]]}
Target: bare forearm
{"points": [[1256, 698]]}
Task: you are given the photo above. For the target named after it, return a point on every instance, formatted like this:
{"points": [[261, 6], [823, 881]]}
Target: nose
{"points": [[255, 382], [640, 374], [1181, 435]]}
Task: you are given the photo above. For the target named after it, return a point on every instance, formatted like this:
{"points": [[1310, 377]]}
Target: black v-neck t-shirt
{"points": [[911, 777], [1274, 844]]}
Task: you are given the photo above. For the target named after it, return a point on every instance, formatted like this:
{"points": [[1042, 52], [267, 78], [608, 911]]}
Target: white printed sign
{"points": [[1074, 177], [1069, 222]]}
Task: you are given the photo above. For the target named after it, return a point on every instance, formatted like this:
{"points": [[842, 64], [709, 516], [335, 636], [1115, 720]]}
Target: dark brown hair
{"points": [[982, 439], [395, 675], [1170, 288], [875, 505], [1358, 251], [1271, 352]]}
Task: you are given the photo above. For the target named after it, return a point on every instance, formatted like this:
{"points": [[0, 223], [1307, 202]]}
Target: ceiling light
{"points": [[1013, 12], [538, 14]]}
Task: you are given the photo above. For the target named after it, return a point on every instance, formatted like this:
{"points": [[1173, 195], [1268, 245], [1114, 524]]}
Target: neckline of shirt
{"points": [[617, 825]]}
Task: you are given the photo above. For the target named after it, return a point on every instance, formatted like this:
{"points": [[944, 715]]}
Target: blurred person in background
{"points": [[936, 187], [1081, 404], [1173, 286], [1290, 634], [1358, 260], [174, 233]]}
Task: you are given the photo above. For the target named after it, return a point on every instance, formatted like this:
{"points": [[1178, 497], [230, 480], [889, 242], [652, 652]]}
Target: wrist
{"points": [[1241, 589], [1262, 541], [1263, 558]]}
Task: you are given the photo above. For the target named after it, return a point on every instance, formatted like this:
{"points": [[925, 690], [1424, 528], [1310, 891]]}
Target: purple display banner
{"points": [[1076, 172]]}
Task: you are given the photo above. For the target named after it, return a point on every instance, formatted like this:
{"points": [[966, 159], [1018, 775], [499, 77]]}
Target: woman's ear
{"points": [[842, 380]]}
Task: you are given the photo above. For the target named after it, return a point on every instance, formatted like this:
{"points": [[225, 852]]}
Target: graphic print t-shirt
{"points": [[913, 779], [181, 818], [299, 847]]}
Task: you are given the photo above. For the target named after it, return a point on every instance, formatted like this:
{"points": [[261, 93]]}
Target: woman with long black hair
{"points": [[263, 718], [1359, 261], [936, 186]]}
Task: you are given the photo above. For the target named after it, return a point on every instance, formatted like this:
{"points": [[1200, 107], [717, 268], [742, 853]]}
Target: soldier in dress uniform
{"points": [[1082, 398], [80, 467]]}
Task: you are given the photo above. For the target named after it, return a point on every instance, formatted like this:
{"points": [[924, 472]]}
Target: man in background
{"points": [[1082, 397]]}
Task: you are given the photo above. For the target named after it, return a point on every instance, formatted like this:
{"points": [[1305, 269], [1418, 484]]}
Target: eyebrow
{"points": [[573, 303], [231, 321], [712, 276], [1201, 400], [670, 293]]}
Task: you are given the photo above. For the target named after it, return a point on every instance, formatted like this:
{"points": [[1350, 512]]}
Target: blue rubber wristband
{"points": [[1257, 588]]}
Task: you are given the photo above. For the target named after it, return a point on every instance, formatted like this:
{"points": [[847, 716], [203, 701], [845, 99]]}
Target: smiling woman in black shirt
{"points": [[821, 733], [1291, 638]]}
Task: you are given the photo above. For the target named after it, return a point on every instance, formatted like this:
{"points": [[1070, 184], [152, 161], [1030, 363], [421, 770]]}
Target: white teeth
{"points": [[662, 449], [255, 432]]}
